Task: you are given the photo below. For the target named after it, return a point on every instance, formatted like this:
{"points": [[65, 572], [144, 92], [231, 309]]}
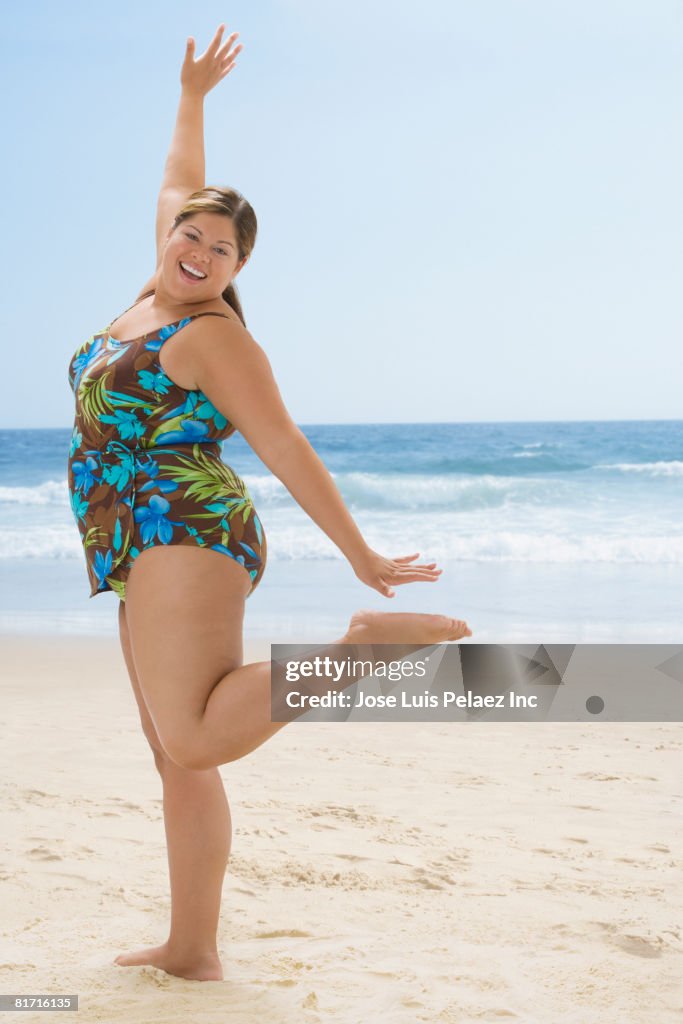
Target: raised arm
{"points": [[235, 374], [184, 170]]}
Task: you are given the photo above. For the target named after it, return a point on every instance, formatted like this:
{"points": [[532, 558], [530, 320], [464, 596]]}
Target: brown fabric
{"points": [[145, 465]]}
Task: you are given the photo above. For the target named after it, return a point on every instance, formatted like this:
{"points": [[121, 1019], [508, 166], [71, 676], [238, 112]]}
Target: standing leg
{"points": [[198, 837]]}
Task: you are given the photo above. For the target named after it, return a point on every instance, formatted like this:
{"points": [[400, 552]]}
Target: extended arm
{"points": [[234, 373], [184, 171]]}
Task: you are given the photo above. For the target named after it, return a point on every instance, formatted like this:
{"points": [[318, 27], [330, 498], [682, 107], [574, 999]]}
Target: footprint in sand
{"points": [[497, 1014], [638, 945], [36, 796], [127, 805], [43, 853], [284, 933], [431, 880], [599, 777], [635, 945]]}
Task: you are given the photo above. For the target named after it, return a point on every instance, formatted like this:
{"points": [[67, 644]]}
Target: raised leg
{"points": [[184, 608]]}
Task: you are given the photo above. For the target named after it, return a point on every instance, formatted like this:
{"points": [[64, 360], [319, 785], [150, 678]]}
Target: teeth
{"points": [[191, 270]]}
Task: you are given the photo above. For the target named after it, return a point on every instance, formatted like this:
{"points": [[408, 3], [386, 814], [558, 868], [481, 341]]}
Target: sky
{"points": [[467, 211]]}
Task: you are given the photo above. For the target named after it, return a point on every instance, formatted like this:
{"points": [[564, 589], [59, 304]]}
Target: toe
{"points": [[460, 629]]}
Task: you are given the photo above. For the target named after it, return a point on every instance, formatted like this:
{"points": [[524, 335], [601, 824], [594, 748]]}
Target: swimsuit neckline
{"points": [[141, 337]]}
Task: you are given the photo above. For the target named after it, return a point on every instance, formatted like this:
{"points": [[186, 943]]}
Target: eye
{"points": [[189, 235], [221, 251]]}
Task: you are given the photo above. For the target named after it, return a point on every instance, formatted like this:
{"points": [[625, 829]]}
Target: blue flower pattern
{"points": [[144, 464]]}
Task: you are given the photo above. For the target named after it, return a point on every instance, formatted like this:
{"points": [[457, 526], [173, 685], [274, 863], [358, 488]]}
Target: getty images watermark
{"points": [[470, 682]]}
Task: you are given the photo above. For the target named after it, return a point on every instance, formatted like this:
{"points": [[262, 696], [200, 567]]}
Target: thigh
{"points": [[145, 719], [184, 611]]}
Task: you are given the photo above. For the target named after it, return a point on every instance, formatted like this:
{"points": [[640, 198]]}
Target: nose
{"points": [[199, 257]]}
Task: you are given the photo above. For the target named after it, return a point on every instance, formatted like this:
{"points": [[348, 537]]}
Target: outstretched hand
{"points": [[382, 574], [199, 76]]}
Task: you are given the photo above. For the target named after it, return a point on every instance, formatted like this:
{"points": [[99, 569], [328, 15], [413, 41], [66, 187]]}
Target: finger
{"points": [[429, 570], [189, 49], [210, 51], [385, 589], [226, 69], [227, 45], [429, 566], [406, 558], [216, 41], [227, 64], [417, 579], [414, 579], [232, 55]]}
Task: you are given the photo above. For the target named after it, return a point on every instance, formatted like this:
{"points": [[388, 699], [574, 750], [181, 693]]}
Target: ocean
{"points": [[564, 532]]}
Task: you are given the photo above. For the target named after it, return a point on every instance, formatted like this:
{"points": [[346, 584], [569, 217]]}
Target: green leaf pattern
{"points": [[145, 466]]}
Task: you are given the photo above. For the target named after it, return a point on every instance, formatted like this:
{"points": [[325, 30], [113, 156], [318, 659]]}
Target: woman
{"points": [[156, 393]]}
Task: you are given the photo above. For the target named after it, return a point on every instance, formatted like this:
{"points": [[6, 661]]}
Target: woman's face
{"points": [[201, 257]]}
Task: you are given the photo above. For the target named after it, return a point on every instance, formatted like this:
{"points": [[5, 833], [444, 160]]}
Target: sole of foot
{"points": [[373, 627]]}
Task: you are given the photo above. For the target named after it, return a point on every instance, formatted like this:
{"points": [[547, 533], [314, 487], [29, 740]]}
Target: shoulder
{"points": [[218, 305], [218, 326], [223, 337], [225, 348]]}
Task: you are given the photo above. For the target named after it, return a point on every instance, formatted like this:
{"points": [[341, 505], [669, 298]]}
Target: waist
{"points": [[136, 456], [183, 447]]}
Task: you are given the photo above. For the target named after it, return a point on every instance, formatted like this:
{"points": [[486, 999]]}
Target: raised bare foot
{"points": [[195, 968], [372, 627]]}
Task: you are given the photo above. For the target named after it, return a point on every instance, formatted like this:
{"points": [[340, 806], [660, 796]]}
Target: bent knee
{"points": [[163, 757], [177, 757], [185, 751]]}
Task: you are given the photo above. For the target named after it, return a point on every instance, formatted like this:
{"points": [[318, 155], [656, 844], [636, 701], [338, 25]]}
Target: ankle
{"points": [[191, 952]]}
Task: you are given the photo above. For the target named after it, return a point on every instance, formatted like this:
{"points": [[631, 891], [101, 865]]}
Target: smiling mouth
{"points": [[188, 276]]}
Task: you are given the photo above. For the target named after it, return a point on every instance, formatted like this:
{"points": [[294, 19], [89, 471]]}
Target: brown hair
{"points": [[232, 204]]}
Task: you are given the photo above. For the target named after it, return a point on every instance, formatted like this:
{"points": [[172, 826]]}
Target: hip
{"points": [[189, 483]]}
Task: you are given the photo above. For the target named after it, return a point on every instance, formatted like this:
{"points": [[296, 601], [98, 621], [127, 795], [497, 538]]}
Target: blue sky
{"points": [[467, 211]]}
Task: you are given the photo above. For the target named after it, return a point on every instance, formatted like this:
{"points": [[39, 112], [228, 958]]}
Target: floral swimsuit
{"points": [[145, 464]]}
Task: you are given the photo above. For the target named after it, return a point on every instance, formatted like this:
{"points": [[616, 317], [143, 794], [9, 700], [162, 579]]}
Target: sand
{"points": [[390, 872]]}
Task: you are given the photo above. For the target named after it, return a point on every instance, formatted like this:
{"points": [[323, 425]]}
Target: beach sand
{"points": [[379, 872]]}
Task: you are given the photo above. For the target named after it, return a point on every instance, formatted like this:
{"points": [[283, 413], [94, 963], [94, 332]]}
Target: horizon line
{"points": [[427, 423]]}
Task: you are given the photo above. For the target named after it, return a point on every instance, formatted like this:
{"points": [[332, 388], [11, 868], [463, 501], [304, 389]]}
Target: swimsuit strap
{"points": [[192, 315], [209, 313]]}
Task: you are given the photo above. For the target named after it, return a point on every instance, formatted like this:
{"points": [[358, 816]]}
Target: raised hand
{"points": [[198, 77], [384, 573]]}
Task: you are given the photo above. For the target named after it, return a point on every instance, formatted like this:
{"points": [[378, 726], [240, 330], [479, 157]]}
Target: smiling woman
{"points": [[198, 246], [172, 530]]}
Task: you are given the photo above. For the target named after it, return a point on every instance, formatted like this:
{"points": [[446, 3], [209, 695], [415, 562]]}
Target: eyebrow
{"points": [[224, 241]]}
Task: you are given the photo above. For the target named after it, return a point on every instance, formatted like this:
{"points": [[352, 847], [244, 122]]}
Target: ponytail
{"points": [[230, 295]]}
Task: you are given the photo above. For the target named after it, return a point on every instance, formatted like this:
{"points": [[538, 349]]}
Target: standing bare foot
{"points": [[205, 967]]}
